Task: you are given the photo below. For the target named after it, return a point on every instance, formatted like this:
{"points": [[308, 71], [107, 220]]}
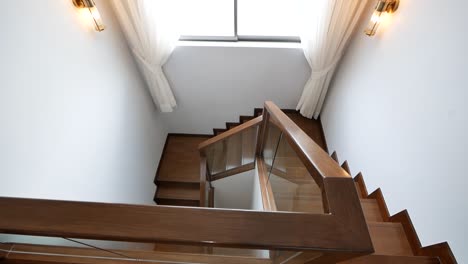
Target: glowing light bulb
{"points": [[91, 6], [383, 6], [98, 25]]}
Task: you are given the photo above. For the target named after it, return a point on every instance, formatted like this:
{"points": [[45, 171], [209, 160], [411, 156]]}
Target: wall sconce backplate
{"points": [[393, 6], [79, 3]]}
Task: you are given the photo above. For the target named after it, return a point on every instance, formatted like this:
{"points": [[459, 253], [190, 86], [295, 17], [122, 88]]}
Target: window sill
{"points": [[240, 44]]}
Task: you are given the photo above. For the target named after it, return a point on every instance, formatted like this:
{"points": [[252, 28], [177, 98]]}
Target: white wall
{"points": [[235, 191], [76, 120], [397, 111], [214, 85]]}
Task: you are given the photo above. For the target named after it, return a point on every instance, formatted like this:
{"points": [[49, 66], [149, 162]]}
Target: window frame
{"points": [[237, 37]]}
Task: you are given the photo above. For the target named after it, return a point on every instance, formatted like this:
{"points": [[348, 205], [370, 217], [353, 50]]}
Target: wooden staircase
{"points": [[394, 237], [178, 174]]}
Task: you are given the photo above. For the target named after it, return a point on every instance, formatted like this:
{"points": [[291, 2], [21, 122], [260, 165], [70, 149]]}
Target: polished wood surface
{"points": [[430, 254], [361, 185], [345, 167], [389, 239], [268, 198], [313, 128], [182, 192], [441, 250], [181, 159], [313, 156], [378, 195], [138, 223], [178, 176], [404, 219]]}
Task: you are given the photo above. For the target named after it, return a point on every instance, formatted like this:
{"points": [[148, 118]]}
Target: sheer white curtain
{"points": [[151, 32], [326, 28]]}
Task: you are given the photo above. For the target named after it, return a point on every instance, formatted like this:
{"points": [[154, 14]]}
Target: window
{"points": [[232, 20]]}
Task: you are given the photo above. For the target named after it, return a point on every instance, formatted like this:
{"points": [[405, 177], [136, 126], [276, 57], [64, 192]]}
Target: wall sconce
{"points": [[98, 25], [383, 6]]}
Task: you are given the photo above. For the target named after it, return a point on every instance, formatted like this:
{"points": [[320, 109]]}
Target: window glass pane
{"points": [[268, 17], [206, 18]]}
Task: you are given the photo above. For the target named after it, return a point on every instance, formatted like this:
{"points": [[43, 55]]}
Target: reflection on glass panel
{"points": [[268, 17], [206, 17], [55, 249], [273, 134], [232, 152], [293, 187]]}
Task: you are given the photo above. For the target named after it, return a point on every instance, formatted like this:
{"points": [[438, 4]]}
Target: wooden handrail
{"points": [[187, 225], [230, 132], [312, 155]]}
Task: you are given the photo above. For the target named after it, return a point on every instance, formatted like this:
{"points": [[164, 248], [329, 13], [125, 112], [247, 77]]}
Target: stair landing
{"points": [[178, 176]]}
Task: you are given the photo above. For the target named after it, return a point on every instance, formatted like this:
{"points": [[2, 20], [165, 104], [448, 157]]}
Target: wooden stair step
{"points": [[177, 202], [191, 178], [389, 239], [381, 259], [181, 192], [334, 156], [243, 119], [230, 125], [181, 159], [371, 210]]}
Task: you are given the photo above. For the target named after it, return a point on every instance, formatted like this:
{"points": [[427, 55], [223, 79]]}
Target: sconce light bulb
{"points": [[98, 25], [387, 6], [376, 17]]}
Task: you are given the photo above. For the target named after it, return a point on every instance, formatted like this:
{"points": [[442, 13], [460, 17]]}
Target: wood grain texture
{"points": [[389, 239], [378, 195], [371, 210], [313, 156], [404, 219], [179, 191], [199, 226], [313, 128], [181, 162], [359, 180], [441, 251], [268, 198]]}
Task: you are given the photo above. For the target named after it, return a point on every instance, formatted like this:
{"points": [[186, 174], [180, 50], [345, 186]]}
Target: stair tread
{"points": [[389, 239], [181, 160], [178, 192]]}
